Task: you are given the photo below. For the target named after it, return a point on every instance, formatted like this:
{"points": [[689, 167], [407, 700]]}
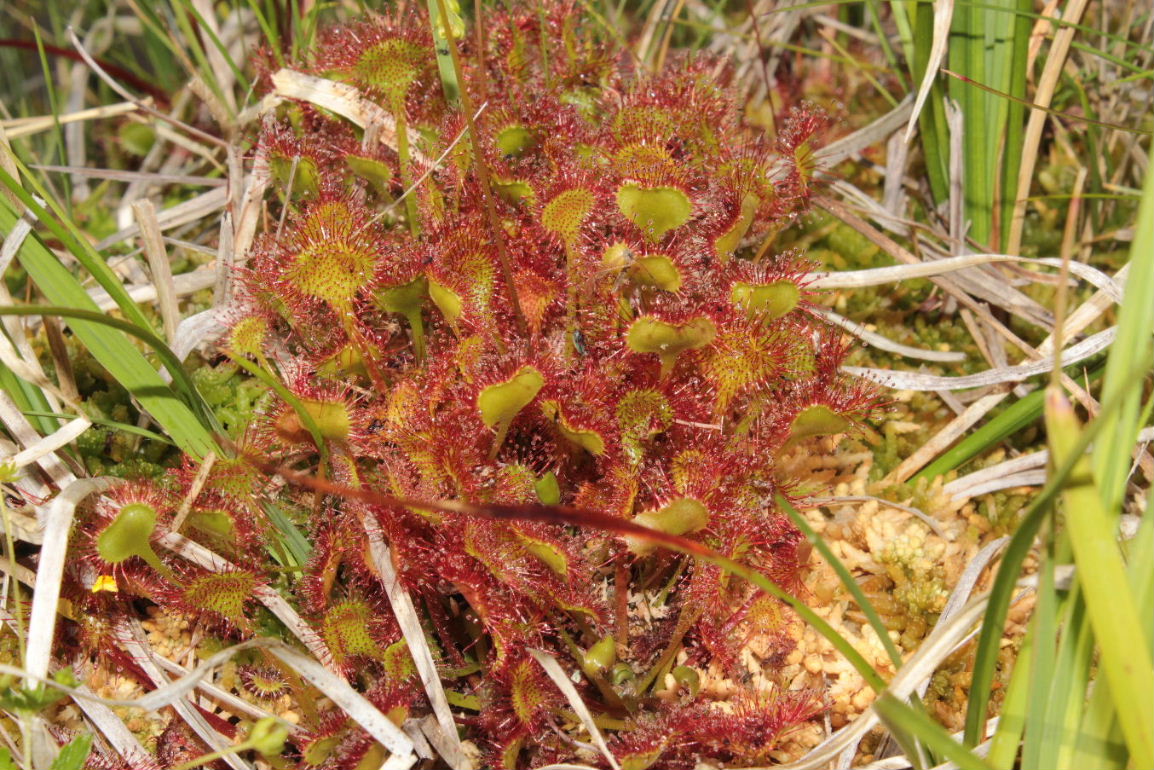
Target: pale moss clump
{"points": [[911, 562]]}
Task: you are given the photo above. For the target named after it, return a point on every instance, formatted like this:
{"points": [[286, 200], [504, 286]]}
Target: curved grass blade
{"points": [[73, 240], [124, 427], [989, 641], [905, 721], [1111, 457], [1110, 606], [846, 578], [1021, 414], [287, 396], [172, 364], [189, 424], [1099, 740]]}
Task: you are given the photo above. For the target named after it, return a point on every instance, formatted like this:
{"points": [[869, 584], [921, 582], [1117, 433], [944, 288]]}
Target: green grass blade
{"points": [[932, 121], [1002, 591], [1071, 682], [237, 72], [1015, 119], [1019, 415], [847, 580], [181, 11], [115, 425], [1003, 754], [289, 398], [448, 75], [122, 360], [28, 399], [983, 43], [180, 378], [54, 105], [1110, 603], [873, 7], [1100, 743], [1044, 628], [295, 545], [1111, 457], [270, 32], [904, 721], [73, 240], [1099, 738]]}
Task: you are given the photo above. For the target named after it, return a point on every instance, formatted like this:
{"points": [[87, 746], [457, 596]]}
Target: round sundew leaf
{"points": [[223, 594], [588, 440], [654, 210], [500, 403], [650, 335], [348, 360], [640, 760], [408, 299], [514, 191], [514, 140], [635, 123], [680, 517], [248, 335], [335, 263], [687, 678], [447, 301], [644, 163], [769, 301], [129, 535], [318, 751], [547, 488], [726, 243], [405, 298], [565, 214], [217, 525], [617, 257], [817, 420], [268, 737], [305, 178], [527, 695], [547, 552], [265, 683], [332, 419], [602, 655], [391, 65], [642, 414], [657, 271], [399, 661], [375, 172], [345, 628]]}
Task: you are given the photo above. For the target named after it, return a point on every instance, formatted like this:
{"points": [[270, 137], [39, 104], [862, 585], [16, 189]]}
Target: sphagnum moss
{"points": [[647, 368]]}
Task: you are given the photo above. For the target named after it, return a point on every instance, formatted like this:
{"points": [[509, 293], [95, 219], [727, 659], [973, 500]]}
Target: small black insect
{"points": [[579, 343]]}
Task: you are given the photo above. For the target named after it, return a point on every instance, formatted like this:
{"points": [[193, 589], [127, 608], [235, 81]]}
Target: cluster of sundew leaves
{"points": [[609, 340]]}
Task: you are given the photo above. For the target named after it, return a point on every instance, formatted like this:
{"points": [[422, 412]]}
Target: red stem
{"points": [[118, 72]]}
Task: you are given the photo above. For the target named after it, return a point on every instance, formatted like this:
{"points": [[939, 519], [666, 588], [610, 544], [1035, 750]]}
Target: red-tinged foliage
{"points": [[745, 729], [522, 465]]}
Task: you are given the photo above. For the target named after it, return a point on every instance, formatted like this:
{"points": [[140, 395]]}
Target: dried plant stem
{"points": [[1047, 85], [1062, 297], [158, 262]]}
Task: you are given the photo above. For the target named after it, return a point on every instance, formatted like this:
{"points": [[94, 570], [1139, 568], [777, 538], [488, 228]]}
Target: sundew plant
{"points": [[540, 293]]}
